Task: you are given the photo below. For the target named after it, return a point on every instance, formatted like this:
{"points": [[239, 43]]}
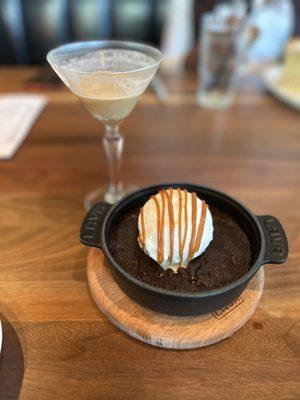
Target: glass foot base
{"points": [[102, 194]]}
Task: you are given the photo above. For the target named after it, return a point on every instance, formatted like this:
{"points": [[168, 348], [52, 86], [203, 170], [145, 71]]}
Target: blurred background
{"points": [[29, 28], [222, 40]]}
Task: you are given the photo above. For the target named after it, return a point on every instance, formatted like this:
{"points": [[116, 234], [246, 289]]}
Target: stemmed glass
{"points": [[108, 77]]}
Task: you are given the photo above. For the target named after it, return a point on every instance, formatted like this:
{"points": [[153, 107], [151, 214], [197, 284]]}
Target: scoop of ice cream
{"points": [[175, 226]]}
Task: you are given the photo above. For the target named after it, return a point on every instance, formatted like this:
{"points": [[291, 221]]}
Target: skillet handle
{"points": [[277, 248], [90, 231]]}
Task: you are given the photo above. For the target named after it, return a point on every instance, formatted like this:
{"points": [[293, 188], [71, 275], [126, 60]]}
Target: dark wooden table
{"points": [[56, 343]]}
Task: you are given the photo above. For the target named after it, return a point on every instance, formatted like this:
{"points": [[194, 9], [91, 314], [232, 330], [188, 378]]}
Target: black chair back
{"points": [[30, 28]]}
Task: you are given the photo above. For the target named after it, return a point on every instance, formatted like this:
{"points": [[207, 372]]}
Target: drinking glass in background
{"points": [[221, 49]]}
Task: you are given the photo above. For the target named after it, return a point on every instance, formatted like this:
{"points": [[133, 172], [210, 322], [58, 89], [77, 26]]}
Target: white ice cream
{"points": [[150, 230]]}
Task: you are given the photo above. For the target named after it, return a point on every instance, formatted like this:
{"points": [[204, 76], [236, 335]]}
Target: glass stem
{"points": [[113, 143]]}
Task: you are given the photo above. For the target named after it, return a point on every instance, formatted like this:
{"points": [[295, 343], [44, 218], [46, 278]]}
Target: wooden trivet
{"points": [[162, 330]]}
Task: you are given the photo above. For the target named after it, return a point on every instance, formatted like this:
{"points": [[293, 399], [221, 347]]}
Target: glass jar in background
{"points": [[221, 50]]}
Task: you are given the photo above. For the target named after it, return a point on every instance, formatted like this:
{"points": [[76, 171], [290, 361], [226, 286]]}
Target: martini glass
{"points": [[108, 77]]}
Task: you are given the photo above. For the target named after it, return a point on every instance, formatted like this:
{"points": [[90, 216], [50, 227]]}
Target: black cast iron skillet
{"points": [[265, 233]]}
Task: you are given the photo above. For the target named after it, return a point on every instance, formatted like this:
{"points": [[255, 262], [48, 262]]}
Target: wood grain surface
{"points": [[56, 344], [162, 330]]}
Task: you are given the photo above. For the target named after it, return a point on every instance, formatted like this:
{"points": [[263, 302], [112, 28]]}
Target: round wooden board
{"points": [[162, 330]]}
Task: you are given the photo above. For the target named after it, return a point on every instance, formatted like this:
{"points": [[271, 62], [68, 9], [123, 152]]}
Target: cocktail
{"points": [[108, 77]]}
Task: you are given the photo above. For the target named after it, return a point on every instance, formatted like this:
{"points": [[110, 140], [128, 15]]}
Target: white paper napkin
{"points": [[18, 113]]}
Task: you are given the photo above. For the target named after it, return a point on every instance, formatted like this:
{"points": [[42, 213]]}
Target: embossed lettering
{"points": [[277, 243], [227, 309]]}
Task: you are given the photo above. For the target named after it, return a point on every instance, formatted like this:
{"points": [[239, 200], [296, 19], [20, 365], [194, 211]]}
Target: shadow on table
{"points": [[11, 362]]}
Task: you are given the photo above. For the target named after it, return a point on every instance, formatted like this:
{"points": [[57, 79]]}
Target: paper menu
{"points": [[18, 112]]}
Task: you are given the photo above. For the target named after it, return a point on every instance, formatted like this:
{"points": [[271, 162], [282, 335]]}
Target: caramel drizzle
{"points": [[196, 237], [143, 233], [200, 227], [162, 227], [171, 222], [185, 223], [194, 220], [159, 245], [196, 234], [180, 241]]}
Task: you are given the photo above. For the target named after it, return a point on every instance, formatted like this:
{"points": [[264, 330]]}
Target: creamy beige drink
{"points": [[107, 107], [111, 97]]}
